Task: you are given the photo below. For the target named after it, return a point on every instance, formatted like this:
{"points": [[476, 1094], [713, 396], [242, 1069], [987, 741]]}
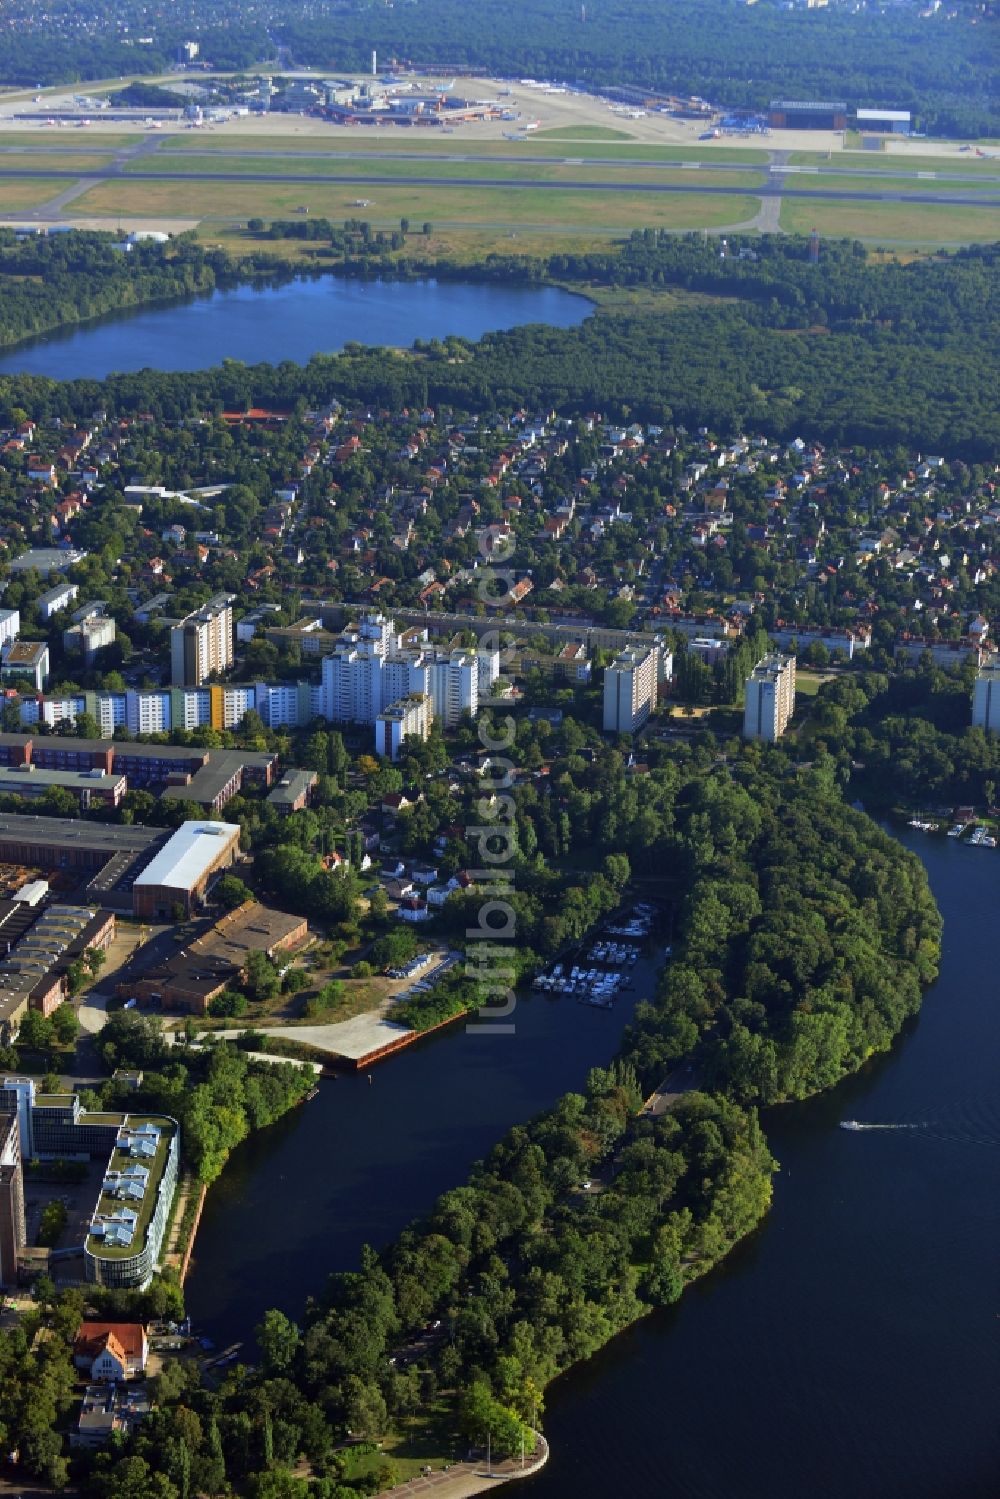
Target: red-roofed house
{"points": [[108, 1351]]}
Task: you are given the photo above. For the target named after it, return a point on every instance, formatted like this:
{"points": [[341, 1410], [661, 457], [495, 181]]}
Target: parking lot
{"points": [[79, 1198]]}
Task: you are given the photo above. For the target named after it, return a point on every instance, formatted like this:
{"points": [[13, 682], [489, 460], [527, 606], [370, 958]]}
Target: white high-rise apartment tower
{"points": [[770, 698], [986, 697], [630, 689], [202, 643]]}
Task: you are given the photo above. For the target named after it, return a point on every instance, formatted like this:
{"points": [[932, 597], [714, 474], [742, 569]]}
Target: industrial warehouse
{"points": [[146, 872], [42, 945], [215, 960]]}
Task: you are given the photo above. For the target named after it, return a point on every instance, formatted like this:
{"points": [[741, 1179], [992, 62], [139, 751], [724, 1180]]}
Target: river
{"points": [[293, 320], [362, 1159], [849, 1348]]}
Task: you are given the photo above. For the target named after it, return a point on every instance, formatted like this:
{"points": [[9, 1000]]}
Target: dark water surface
{"points": [[849, 1349], [293, 321], [362, 1159]]}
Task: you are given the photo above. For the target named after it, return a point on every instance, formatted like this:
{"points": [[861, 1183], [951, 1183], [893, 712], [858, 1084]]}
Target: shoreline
{"points": [[462, 1480]]}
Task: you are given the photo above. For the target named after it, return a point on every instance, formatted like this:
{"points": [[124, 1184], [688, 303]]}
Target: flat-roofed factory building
{"points": [[67, 843], [189, 980], [293, 791], [178, 874], [42, 943], [90, 787]]}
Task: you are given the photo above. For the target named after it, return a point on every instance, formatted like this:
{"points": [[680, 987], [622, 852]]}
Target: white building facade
{"points": [[630, 690], [769, 700], [986, 697]]}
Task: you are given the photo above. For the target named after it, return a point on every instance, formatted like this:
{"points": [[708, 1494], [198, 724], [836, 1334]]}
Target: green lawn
{"points": [[284, 169], [66, 139], [807, 683], [881, 183], [928, 224], [27, 192], [497, 209], [53, 161], [896, 161]]}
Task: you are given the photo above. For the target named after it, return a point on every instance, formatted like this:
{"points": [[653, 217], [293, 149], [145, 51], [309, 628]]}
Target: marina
{"points": [[602, 970], [980, 837]]}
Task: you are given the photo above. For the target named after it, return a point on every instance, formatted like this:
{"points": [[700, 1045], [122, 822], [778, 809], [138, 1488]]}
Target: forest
{"points": [[935, 63], [904, 739], [847, 351]]}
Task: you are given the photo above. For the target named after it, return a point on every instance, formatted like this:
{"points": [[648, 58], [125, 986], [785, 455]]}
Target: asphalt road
{"points": [[779, 189]]}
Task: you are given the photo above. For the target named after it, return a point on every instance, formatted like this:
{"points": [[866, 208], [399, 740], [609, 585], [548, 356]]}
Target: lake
{"points": [[848, 1348], [290, 321]]}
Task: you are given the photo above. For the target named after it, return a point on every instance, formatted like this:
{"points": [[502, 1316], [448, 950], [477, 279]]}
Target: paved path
{"points": [[172, 1039], [93, 1009], [682, 1080], [850, 165], [54, 207], [343, 1038], [93, 1013], [464, 1479], [767, 219]]}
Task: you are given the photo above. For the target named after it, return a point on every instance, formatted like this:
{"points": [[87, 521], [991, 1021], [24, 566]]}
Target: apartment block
{"points": [[370, 668], [411, 716], [201, 644], [12, 1222], [630, 689], [770, 698], [57, 598], [10, 624], [986, 697], [25, 661], [848, 640], [89, 636]]}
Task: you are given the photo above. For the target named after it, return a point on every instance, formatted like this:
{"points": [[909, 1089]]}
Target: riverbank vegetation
{"points": [[808, 937], [55, 281], [218, 1094], [904, 738], [803, 938]]}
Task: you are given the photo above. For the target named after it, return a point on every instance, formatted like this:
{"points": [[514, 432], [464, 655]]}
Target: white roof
{"points": [[188, 855], [883, 114]]}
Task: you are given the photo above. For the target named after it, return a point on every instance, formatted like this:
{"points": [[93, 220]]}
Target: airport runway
{"points": [[768, 189], [151, 146]]}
